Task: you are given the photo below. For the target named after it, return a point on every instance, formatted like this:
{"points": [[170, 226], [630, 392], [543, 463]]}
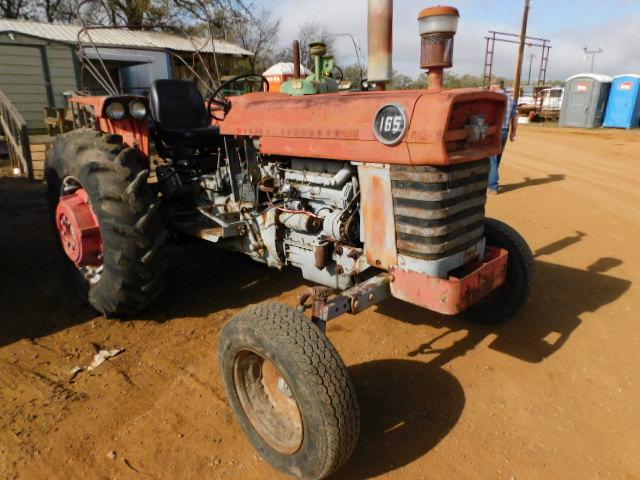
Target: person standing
{"points": [[509, 126]]}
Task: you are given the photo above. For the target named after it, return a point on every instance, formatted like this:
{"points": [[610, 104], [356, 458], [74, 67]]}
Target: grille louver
{"points": [[439, 211]]}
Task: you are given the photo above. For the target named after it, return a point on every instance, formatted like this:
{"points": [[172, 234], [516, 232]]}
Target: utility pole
{"points": [[523, 39], [531, 57], [593, 54]]}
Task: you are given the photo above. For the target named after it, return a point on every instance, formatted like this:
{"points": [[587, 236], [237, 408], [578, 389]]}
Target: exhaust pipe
{"points": [[380, 42], [295, 50]]}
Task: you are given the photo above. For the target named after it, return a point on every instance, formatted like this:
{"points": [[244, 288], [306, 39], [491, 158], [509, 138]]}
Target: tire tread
{"points": [[325, 372], [128, 211]]}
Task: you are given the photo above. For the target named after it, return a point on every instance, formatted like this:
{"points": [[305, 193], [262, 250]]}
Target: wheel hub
{"points": [[268, 402], [79, 229]]}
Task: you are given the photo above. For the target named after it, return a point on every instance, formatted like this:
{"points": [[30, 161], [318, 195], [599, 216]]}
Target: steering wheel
{"points": [[341, 74], [222, 102]]}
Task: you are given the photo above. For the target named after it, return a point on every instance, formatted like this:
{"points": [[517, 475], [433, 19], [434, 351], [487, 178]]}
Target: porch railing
{"points": [[15, 131]]}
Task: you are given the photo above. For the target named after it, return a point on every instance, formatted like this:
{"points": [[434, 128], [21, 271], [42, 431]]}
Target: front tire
{"points": [[127, 211], [510, 298], [289, 390]]}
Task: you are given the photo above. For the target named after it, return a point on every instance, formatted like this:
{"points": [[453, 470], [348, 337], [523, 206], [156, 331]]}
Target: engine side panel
{"points": [[376, 207]]}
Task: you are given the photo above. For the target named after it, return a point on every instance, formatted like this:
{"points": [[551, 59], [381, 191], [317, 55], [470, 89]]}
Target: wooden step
{"points": [[38, 156]]}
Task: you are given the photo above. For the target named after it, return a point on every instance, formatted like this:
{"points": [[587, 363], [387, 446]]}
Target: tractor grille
{"points": [[439, 211]]}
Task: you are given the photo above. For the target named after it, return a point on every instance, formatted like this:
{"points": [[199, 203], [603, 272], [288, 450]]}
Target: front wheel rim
{"points": [[268, 401]]}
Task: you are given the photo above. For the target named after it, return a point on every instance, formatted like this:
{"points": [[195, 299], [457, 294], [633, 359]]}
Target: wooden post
{"points": [[523, 39]]}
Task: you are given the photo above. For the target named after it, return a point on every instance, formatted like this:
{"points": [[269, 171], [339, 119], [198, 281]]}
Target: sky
{"points": [[570, 25]]}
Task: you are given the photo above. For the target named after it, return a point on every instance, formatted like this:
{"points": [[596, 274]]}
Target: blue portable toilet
{"points": [[623, 109]]}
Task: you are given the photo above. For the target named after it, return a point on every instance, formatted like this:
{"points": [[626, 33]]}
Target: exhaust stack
{"points": [[438, 25], [295, 49], [380, 42]]}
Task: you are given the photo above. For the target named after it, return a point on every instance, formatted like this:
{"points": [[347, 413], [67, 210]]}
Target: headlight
{"points": [[116, 111], [137, 109]]}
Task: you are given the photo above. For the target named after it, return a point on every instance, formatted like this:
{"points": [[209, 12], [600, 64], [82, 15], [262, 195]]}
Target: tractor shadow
{"points": [[532, 182], [36, 298], [561, 244], [204, 279], [37, 294], [402, 423], [560, 296]]}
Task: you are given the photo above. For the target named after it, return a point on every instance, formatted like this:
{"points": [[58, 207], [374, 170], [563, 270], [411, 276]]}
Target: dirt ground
{"points": [[553, 394]]}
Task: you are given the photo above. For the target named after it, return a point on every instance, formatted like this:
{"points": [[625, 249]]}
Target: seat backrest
{"points": [[177, 105]]}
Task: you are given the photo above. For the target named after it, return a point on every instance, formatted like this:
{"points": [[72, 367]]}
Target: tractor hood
{"points": [[425, 127]]}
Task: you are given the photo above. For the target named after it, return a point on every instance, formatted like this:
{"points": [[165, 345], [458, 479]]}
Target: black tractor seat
{"points": [[209, 134], [180, 116]]}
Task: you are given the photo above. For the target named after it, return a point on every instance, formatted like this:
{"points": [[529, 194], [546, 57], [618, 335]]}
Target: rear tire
{"points": [[314, 439], [511, 297], [127, 210]]}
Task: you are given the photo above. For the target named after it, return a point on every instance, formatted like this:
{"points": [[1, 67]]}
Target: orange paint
{"points": [[339, 126], [378, 220], [453, 295], [134, 133]]}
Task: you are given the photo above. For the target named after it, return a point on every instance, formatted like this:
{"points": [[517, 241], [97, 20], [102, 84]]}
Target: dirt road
{"points": [[553, 394]]}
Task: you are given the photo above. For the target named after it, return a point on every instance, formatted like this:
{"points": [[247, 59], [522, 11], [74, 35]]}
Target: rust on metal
{"points": [[439, 211], [463, 134], [435, 76], [377, 215], [295, 48], [380, 41], [321, 255], [306, 126], [452, 295], [134, 133], [268, 401], [353, 300], [316, 295], [368, 293], [438, 10]]}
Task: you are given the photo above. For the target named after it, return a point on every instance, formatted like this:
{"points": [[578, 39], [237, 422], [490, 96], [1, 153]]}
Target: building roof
{"points": [[595, 76], [285, 68], [121, 37]]}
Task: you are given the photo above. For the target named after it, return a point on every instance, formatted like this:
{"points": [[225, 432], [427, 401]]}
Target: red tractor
{"points": [[371, 194]]}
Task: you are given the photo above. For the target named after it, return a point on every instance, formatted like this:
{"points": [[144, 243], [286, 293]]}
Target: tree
{"points": [[218, 16], [157, 14], [401, 81], [420, 82], [136, 14], [57, 10], [453, 80], [259, 35], [310, 32], [16, 8], [354, 74]]}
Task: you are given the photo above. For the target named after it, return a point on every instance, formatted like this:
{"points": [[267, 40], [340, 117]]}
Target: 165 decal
{"points": [[390, 124]]}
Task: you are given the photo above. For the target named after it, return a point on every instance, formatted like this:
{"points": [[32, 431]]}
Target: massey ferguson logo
{"points": [[477, 128]]}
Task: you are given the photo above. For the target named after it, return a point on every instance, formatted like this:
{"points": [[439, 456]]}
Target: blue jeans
{"points": [[494, 173]]}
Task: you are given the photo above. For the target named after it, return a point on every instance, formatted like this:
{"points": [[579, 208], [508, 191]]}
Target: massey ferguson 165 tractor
{"points": [[371, 194]]}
